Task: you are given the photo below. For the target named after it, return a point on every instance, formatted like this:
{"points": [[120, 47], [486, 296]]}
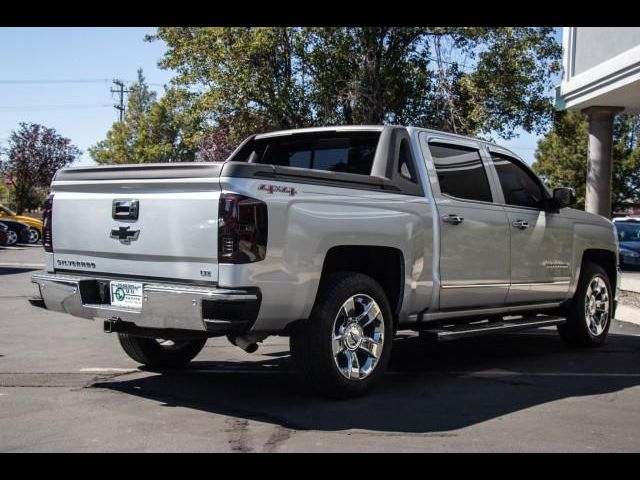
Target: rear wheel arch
{"points": [[384, 264]]}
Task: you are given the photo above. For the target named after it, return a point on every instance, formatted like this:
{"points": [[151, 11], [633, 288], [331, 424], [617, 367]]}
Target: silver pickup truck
{"points": [[335, 237]]}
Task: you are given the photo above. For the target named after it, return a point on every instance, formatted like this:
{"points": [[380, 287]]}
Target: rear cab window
{"points": [[347, 152]]}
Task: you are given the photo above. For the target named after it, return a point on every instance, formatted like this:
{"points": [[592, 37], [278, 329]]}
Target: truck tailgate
{"points": [[174, 236]]}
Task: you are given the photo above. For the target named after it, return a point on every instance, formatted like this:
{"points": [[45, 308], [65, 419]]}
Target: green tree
{"points": [[465, 80], [126, 140], [365, 75], [626, 157], [250, 78], [233, 81], [561, 157], [152, 130], [33, 156], [4, 191]]}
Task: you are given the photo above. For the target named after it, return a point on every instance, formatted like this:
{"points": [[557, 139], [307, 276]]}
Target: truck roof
{"points": [[379, 128]]}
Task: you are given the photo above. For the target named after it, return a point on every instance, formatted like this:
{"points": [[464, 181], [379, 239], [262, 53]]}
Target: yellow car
{"points": [[35, 225]]}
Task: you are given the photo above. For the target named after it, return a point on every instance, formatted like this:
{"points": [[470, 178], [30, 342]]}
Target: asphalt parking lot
{"points": [[67, 386]]}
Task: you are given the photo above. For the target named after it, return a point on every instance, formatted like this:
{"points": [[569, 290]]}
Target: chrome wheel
{"points": [[12, 237], [596, 306], [34, 235], [358, 337]]}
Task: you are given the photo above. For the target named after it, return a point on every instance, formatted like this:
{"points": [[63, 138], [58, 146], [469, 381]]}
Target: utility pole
{"points": [[121, 91]]}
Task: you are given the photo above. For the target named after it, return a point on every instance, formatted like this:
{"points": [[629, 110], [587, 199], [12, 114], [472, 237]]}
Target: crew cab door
{"points": [[541, 240], [473, 231]]}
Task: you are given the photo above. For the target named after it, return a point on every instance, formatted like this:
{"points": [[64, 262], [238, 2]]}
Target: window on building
{"points": [[461, 173]]}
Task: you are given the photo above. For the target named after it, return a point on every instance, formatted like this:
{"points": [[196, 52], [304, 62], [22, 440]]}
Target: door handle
{"points": [[521, 224], [125, 209], [452, 219]]}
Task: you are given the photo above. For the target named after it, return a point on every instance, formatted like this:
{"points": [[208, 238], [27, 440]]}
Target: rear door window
{"points": [[461, 173]]}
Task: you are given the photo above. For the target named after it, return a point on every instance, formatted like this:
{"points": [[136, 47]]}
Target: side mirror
{"points": [[563, 197]]}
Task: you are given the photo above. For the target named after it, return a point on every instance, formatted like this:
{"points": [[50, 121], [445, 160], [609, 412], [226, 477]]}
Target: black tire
{"points": [[311, 339], [576, 331], [151, 353], [34, 236]]}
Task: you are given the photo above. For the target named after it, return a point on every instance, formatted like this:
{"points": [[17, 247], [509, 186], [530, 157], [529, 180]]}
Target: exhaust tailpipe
{"points": [[245, 343]]}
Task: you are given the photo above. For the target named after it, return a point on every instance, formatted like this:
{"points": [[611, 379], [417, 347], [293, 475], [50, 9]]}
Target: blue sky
{"points": [[81, 111], [91, 57]]}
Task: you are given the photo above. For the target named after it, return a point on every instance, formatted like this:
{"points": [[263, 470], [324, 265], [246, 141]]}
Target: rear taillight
{"points": [[47, 233], [242, 229]]}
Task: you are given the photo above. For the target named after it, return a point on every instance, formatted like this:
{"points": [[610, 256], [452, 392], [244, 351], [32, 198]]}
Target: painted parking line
{"points": [[21, 265], [544, 374], [108, 370]]}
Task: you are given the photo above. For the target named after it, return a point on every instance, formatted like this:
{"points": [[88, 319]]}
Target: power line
{"points": [[19, 108], [88, 80], [62, 81]]}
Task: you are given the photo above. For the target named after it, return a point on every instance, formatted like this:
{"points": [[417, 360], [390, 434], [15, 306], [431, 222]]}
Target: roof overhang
{"points": [[613, 83]]}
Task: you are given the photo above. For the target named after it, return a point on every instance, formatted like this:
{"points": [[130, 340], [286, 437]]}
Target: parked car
{"points": [[628, 230], [3, 234], [35, 225], [336, 237], [17, 232]]}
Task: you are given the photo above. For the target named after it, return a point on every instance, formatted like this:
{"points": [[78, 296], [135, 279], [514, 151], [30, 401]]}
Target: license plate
{"points": [[126, 294]]}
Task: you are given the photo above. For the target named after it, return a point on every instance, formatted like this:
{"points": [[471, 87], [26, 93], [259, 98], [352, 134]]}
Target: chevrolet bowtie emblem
{"points": [[125, 234]]}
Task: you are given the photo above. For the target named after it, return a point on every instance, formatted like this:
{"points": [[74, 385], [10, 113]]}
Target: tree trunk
{"points": [[21, 194], [370, 100], [19, 205]]}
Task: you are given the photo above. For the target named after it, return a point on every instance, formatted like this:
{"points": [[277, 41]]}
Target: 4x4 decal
{"points": [[271, 189]]}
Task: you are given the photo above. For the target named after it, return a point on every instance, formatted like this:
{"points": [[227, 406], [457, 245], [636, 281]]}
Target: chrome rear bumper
{"points": [[165, 305]]}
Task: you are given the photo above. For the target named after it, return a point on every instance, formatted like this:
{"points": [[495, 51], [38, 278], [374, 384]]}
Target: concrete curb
{"points": [[630, 283], [627, 313]]}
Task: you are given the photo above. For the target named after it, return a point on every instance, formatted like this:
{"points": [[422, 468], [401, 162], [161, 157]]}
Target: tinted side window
{"points": [[519, 186], [461, 173], [406, 167]]}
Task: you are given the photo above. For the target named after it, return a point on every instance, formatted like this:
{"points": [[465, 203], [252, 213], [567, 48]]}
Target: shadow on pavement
{"points": [[14, 270], [428, 389]]}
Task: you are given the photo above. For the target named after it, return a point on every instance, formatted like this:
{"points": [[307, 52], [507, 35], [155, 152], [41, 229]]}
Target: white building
{"points": [[601, 78]]}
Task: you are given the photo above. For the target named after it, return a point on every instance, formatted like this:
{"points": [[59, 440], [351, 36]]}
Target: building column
{"points": [[600, 159]]}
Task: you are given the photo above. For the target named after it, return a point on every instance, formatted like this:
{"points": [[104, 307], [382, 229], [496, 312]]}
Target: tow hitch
{"points": [[113, 325]]}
